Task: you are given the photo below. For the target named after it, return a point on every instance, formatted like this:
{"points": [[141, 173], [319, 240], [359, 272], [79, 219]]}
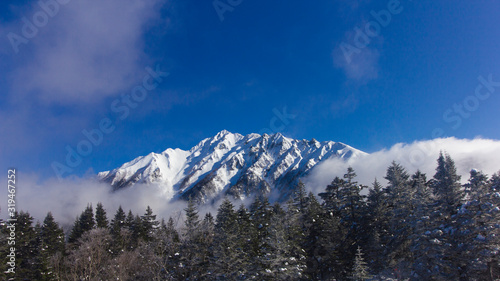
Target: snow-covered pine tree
{"points": [[446, 186], [400, 209], [244, 234], [478, 230], [329, 255], [51, 242], [295, 218], [424, 244], [352, 212], [318, 244], [27, 247], [280, 258], [376, 225], [192, 254], [225, 263], [149, 225], [448, 197], [360, 270], [260, 218], [331, 196], [168, 244], [192, 219], [205, 242]]}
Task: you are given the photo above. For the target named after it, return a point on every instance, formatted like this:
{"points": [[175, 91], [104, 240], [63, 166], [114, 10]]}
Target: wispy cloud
{"points": [[88, 51], [359, 52], [361, 66]]}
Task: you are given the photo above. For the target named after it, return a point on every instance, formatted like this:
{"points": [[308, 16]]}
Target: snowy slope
{"points": [[229, 164]]}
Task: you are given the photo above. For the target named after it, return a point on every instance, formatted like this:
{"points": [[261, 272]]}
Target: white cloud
{"points": [[88, 51], [482, 154], [68, 198]]}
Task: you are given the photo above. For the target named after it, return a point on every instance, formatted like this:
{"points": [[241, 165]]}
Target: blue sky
{"points": [[236, 73]]}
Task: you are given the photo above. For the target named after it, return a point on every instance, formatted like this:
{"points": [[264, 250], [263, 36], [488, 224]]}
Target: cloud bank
{"points": [[481, 154], [68, 198]]}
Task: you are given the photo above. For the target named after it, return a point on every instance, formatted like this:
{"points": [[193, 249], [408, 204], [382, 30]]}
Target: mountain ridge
{"points": [[229, 164]]}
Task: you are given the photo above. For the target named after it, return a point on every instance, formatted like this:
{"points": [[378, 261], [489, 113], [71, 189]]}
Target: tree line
{"points": [[411, 228]]}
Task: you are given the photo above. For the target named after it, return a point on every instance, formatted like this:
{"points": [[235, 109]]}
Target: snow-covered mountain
{"points": [[229, 163]]}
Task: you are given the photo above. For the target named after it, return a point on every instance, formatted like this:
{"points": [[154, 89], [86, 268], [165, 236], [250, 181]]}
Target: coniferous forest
{"points": [[417, 227]]}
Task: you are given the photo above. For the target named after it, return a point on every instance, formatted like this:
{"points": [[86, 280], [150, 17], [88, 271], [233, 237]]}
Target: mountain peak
{"points": [[222, 134], [229, 164]]}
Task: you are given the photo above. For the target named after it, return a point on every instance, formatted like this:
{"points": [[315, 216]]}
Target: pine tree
{"points": [[296, 221], [133, 231], [192, 219], [377, 226], [118, 221], [117, 227], [76, 231], [424, 240], [495, 182], [300, 198], [317, 241], [192, 253], [448, 197], [87, 221], [51, 238], [400, 198], [148, 225], [260, 218], [493, 197], [282, 258], [330, 256], [172, 231], [360, 270], [169, 247], [225, 262], [478, 229], [83, 223], [205, 245], [243, 245], [28, 264], [353, 208], [100, 216], [446, 186], [331, 196], [129, 220], [137, 232]]}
